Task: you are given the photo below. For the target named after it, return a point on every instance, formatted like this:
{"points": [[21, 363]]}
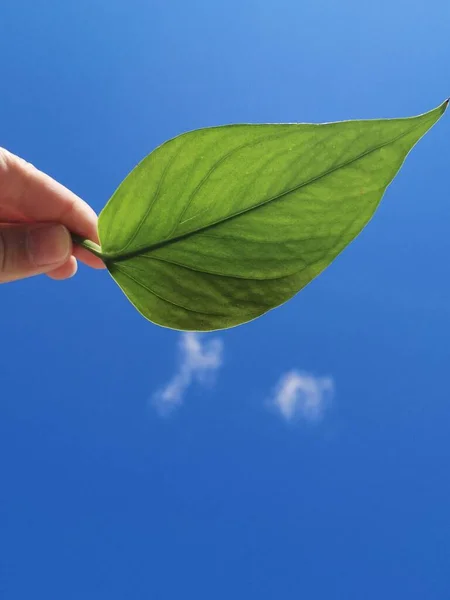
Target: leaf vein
{"points": [[116, 257], [148, 289]]}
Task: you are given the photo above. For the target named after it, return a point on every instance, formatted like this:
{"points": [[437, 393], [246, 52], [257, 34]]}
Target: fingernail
{"points": [[49, 245]]}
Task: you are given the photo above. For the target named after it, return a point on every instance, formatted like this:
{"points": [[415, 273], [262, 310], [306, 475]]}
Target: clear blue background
{"points": [[100, 498]]}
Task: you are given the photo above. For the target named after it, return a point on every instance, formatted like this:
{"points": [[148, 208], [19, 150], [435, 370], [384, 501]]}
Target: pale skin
{"points": [[37, 216]]}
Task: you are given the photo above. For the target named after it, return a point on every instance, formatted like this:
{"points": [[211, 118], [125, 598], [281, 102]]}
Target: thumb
{"points": [[31, 249]]}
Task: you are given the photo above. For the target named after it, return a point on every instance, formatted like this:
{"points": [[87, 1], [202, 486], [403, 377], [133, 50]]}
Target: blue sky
{"points": [[105, 494]]}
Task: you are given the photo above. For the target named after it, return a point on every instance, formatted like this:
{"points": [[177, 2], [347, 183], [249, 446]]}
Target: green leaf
{"points": [[219, 225]]}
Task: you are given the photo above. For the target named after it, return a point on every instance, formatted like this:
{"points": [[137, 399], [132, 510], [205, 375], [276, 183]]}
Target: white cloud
{"points": [[301, 395], [199, 361]]}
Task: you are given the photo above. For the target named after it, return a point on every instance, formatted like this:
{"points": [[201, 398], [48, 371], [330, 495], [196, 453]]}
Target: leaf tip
{"points": [[444, 105], [440, 110]]}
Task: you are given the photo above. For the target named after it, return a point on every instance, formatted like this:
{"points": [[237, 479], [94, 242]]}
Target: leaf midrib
{"points": [[121, 256]]}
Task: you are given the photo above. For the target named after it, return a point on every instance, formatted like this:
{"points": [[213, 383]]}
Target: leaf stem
{"points": [[92, 247]]}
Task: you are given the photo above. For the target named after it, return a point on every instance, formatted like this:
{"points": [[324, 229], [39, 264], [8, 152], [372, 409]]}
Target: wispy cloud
{"points": [[199, 361], [302, 396]]}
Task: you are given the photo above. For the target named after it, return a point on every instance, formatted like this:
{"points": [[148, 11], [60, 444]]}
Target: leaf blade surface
{"points": [[218, 226]]}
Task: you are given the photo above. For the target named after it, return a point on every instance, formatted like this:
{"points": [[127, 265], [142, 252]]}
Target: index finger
{"points": [[35, 196]]}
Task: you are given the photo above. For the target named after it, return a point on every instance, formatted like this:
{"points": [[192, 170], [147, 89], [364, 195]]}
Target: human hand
{"points": [[37, 215]]}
